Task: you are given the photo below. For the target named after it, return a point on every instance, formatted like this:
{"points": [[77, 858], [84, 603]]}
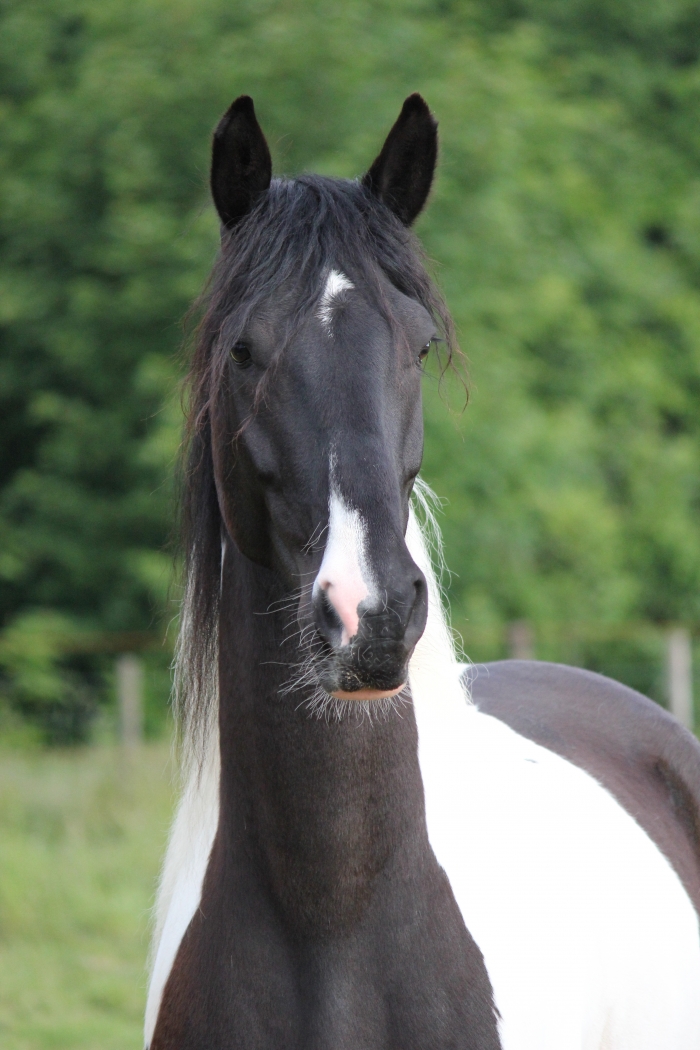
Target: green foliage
{"points": [[571, 267], [42, 682], [566, 222]]}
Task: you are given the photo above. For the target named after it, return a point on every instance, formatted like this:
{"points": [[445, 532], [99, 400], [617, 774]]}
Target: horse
{"points": [[378, 847]]}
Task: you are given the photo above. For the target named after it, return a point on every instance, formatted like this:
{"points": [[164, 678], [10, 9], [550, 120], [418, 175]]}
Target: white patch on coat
{"points": [[345, 574], [186, 860], [336, 283], [589, 938]]}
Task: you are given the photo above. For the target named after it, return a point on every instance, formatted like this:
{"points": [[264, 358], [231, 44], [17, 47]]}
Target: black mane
{"points": [[299, 229]]}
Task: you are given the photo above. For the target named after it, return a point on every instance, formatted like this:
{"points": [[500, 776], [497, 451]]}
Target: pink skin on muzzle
{"points": [[346, 578]]}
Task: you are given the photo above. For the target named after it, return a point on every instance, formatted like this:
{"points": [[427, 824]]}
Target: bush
{"points": [[58, 693]]}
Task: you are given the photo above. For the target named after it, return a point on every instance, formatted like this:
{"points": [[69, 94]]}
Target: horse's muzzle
{"points": [[376, 658]]}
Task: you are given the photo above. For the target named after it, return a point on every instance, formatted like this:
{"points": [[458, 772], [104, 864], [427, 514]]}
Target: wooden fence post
{"points": [[521, 641], [129, 699], [679, 675]]}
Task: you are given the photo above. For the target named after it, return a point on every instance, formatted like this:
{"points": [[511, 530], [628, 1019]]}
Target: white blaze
{"points": [[336, 282], [345, 573]]}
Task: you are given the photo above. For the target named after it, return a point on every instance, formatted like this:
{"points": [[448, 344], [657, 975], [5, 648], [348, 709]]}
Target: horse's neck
{"points": [[321, 807]]}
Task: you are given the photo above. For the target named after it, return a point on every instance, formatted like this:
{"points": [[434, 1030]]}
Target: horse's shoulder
{"points": [[634, 748]]}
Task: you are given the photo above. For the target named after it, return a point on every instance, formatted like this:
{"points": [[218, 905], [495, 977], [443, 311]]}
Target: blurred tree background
{"points": [[566, 226]]}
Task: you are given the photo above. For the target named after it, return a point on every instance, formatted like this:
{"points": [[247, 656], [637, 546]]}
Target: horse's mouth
{"points": [[365, 670], [368, 694]]}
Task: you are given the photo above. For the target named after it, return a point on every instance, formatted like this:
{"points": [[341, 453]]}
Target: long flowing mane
{"points": [[298, 230]]}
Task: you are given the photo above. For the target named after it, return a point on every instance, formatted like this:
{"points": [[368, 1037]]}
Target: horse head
{"points": [[307, 390]]}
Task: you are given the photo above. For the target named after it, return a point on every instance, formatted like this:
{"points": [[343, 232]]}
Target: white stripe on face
{"points": [[336, 282], [345, 573]]}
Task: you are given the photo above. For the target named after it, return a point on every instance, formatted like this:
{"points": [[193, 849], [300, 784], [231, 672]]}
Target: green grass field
{"points": [[81, 837]]}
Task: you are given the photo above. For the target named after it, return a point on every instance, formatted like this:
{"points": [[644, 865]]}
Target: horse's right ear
{"points": [[402, 174], [241, 167]]}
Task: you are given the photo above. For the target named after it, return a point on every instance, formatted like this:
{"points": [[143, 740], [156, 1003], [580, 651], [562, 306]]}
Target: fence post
{"points": [[521, 642], [679, 675], [129, 698]]}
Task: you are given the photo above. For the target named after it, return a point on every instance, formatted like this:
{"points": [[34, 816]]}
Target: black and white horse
{"points": [[364, 857]]}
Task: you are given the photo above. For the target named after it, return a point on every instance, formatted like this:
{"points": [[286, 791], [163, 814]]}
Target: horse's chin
{"points": [[367, 694]]}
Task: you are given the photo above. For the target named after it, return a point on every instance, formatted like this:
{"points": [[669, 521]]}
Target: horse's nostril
{"points": [[415, 623], [327, 619], [397, 620], [420, 595]]}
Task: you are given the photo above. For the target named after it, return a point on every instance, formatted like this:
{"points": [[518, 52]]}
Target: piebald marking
{"points": [[336, 283], [180, 887], [589, 938]]}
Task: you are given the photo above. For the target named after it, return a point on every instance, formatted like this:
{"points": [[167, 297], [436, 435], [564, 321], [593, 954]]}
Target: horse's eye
{"points": [[424, 352], [241, 354]]}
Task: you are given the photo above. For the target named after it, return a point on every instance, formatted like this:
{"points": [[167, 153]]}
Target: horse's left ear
{"points": [[402, 174], [241, 167]]}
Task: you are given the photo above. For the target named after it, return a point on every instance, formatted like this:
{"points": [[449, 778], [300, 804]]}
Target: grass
{"points": [[81, 837]]}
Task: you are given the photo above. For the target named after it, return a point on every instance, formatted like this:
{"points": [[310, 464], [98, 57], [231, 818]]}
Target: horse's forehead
{"points": [[344, 312], [336, 287]]}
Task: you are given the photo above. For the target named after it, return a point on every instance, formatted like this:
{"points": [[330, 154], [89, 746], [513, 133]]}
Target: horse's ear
{"points": [[402, 174], [241, 168]]}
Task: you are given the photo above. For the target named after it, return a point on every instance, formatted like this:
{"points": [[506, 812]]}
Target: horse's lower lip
{"points": [[367, 694]]}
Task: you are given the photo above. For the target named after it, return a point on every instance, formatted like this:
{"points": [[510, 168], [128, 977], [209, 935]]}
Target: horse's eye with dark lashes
{"points": [[240, 353], [423, 353]]}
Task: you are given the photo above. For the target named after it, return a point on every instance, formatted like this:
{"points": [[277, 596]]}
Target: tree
{"points": [[565, 222]]}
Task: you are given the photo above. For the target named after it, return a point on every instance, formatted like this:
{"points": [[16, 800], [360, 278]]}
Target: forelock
{"points": [[301, 229]]}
